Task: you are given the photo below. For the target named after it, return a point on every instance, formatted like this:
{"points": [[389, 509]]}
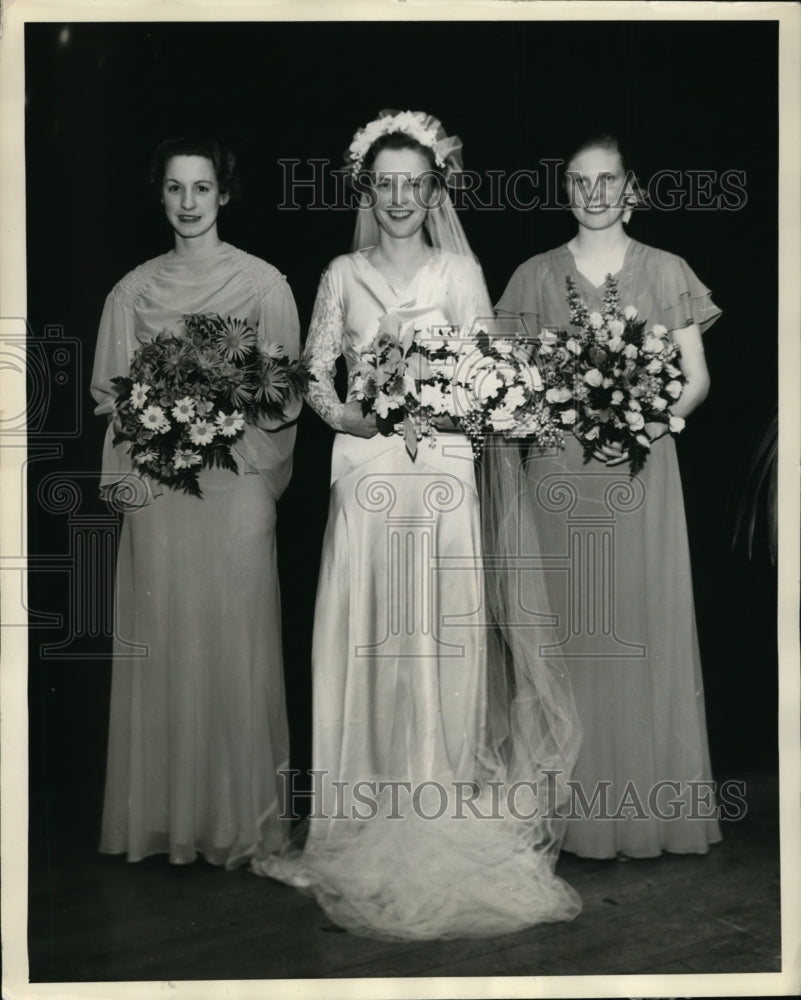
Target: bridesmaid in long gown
{"points": [[400, 643], [198, 723], [615, 549]]}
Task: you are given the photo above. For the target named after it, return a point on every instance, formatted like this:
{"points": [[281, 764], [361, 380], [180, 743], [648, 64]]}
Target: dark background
{"points": [[687, 96]]}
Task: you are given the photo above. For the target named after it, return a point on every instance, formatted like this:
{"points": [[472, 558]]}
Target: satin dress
{"points": [[400, 658], [198, 727]]}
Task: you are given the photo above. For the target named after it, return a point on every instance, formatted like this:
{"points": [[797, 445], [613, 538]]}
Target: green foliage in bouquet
{"points": [[188, 397]]}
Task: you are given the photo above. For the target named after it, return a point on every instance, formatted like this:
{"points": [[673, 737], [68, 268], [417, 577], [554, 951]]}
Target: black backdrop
{"points": [[688, 96]]}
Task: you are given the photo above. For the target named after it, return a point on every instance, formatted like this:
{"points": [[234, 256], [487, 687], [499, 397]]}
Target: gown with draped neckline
{"points": [[198, 728], [400, 648]]}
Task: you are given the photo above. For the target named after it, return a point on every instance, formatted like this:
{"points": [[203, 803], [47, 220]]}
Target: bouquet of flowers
{"points": [[188, 397], [405, 379], [496, 388], [610, 378]]}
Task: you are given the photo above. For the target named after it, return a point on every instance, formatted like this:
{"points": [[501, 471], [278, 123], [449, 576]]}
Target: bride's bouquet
{"points": [[609, 378], [496, 388], [188, 397], [405, 379]]}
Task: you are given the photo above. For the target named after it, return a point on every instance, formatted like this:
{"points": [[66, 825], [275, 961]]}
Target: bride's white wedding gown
{"points": [[406, 839]]}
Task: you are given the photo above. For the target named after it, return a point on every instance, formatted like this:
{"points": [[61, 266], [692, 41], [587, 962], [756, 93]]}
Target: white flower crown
{"points": [[416, 124]]}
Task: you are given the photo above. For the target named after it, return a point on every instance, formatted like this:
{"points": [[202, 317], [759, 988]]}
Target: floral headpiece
{"points": [[418, 125]]}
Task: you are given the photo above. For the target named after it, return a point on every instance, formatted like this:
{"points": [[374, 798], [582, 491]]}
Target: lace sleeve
{"points": [[323, 347]]}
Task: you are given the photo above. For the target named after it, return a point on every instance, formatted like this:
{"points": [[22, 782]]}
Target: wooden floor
{"points": [[96, 918]]}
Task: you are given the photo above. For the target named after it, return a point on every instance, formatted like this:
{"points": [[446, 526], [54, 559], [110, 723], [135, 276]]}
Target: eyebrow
{"points": [[172, 180]]}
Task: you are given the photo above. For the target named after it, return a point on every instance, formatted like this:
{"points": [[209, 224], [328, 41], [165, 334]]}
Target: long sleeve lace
{"points": [[323, 347]]}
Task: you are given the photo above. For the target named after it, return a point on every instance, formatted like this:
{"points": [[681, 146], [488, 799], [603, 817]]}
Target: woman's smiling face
{"points": [[596, 187], [191, 195], [403, 184]]}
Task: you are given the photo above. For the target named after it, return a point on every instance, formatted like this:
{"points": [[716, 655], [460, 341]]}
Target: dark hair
{"points": [[611, 143], [222, 159], [401, 140]]}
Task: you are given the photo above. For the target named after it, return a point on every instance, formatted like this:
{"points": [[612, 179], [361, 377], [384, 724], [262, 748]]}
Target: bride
{"points": [[431, 727]]}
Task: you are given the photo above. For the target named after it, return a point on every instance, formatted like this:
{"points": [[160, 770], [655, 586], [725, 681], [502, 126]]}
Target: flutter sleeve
{"points": [[684, 299], [120, 483], [323, 347], [268, 448]]}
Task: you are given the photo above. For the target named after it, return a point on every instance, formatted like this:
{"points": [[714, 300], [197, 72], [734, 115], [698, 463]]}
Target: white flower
{"points": [[673, 371], [230, 424], [203, 407], [634, 405], [489, 385], [596, 320], [615, 344], [652, 345], [155, 419], [201, 432], [676, 424], [644, 440], [273, 350], [616, 327], [558, 395], [145, 456], [630, 312], [139, 393], [658, 404], [635, 420], [673, 389], [573, 346], [593, 377], [383, 404], [503, 346], [630, 352], [185, 458], [654, 366], [515, 397], [591, 434], [500, 417], [659, 330], [184, 410], [617, 397], [433, 396], [569, 417]]}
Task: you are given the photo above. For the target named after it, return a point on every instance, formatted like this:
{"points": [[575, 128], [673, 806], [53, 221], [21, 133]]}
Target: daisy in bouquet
{"points": [[496, 387], [188, 397], [609, 378], [405, 376]]}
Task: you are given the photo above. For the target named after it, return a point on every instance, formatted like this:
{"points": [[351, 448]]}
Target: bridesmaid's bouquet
{"points": [[405, 379], [609, 378], [188, 397]]}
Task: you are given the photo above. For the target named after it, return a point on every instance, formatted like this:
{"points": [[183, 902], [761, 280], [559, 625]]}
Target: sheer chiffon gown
{"points": [[615, 555], [198, 723], [400, 657]]}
